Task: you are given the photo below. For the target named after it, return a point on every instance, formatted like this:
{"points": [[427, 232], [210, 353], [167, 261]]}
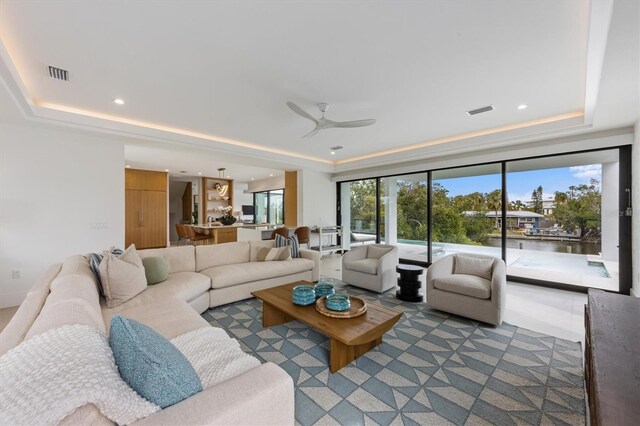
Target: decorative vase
{"points": [[338, 302], [303, 295], [227, 220]]}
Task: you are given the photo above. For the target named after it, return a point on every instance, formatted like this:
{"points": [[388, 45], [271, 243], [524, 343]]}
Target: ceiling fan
{"points": [[322, 123]]}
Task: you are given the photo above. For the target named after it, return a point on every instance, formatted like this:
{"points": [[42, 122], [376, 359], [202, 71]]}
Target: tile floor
{"points": [[558, 313]]}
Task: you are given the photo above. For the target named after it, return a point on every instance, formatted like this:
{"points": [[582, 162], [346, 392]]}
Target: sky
{"points": [[520, 185]]}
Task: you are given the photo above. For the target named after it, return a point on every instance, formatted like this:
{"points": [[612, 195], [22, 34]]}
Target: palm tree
{"points": [[494, 202]]}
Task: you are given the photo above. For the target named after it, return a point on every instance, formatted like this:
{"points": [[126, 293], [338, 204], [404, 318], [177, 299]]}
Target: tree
{"points": [[536, 200], [517, 205], [363, 205], [494, 202], [579, 209]]}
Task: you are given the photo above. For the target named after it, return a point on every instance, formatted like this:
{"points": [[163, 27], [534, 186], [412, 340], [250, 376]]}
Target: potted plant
{"points": [[227, 217]]}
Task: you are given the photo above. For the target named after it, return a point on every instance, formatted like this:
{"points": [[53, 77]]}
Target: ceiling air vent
{"points": [[480, 110], [58, 73], [335, 148]]}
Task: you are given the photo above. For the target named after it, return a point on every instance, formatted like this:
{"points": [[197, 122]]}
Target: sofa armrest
{"points": [[439, 269], [387, 265], [315, 257], [357, 253], [262, 396]]}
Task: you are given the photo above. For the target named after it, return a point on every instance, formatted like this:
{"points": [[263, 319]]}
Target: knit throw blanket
{"points": [[214, 355], [47, 377]]}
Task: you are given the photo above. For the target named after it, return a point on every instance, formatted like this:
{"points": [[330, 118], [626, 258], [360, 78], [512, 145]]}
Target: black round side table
{"points": [[409, 283]]}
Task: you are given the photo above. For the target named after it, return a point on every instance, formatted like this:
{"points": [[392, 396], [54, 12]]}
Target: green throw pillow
{"points": [[156, 269]]}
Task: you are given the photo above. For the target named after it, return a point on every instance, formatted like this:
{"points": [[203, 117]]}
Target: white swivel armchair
{"points": [[469, 285], [372, 267]]}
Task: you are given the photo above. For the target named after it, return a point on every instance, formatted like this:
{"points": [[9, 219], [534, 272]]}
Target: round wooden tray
{"points": [[358, 307]]}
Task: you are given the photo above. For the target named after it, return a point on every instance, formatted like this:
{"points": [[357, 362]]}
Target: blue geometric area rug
{"points": [[431, 369]]}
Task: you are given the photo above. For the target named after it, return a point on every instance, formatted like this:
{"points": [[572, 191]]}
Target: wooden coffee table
{"points": [[350, 338]]}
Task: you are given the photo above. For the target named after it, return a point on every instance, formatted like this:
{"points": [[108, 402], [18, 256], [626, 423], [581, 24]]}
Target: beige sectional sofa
{"points": [[200, 277]]}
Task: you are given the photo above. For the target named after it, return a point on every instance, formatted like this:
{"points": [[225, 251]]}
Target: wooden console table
{"points": [[612, 358]]}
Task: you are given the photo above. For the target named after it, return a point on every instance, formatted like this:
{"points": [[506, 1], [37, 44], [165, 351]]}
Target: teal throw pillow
{"points": [[156, 269], [150, 364]]}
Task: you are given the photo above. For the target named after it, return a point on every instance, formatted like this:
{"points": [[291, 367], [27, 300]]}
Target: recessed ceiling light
{"points": [[199, 173], [271, 175], [522, 106], [127, 166], [333, 153], [119, 101], [166, 170], [251, 178]]}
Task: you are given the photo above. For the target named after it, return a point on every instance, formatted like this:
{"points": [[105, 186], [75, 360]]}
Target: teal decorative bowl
{"points": [[303, 295], [323, 289], [338, 302]]}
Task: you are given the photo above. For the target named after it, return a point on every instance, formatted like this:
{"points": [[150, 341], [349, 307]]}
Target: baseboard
{"points": [[635, 291]]}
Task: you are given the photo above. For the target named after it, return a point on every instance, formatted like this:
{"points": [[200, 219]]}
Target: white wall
{"points": [[635, 227], [316, 198], [61, 193], [240, 198], [267, 184]]}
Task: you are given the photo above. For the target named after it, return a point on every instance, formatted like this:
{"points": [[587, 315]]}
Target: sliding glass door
{"points": [[560, 219], [563, 219], [358, 212], [403, 215], [466, 211]]}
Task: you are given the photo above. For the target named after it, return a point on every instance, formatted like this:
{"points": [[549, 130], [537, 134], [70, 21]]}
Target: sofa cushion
{"points": [[367, 266], [169, 317], [122, 276], [473, 266], [230, 275], [185, 286], [266, 254], [374, 252], [181, 259], [209, 256], [150, 364], [469, 285], [156, 269], [73, 299]]}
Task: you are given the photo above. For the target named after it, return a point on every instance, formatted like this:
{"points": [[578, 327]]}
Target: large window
{"points": [[269, 207], [466, 211], [403, 215], [563, 219], [554, 219], [358, 211]]}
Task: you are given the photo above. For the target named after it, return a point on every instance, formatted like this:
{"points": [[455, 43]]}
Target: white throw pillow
{"points": [[122, 276], [473, 266]]}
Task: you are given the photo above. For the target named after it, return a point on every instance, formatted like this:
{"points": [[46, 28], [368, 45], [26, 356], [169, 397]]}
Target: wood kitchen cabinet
{"points": [[145, 208]]}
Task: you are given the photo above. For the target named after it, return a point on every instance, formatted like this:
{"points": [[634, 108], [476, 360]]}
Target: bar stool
{"points": [[284, 232], [303, 233], [195, 237]]}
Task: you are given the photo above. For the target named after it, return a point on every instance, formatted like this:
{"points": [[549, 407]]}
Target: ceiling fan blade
{"points": [[355, 123], [295, 108], [313, 132]]}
